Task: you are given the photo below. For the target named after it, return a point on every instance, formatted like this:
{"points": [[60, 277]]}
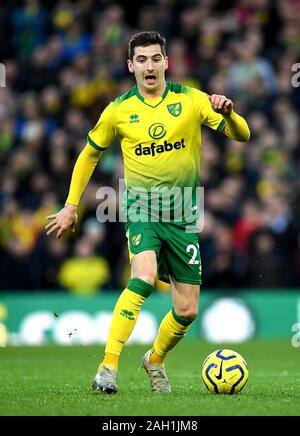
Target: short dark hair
{"points": [[143, 39]]}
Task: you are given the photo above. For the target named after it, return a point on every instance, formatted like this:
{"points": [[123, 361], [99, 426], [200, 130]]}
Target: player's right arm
{"points": [[66, 218], [216, 112], [103, 133]]}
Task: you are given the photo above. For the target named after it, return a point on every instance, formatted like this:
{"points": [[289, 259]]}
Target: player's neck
{"points": [[152, 93]]}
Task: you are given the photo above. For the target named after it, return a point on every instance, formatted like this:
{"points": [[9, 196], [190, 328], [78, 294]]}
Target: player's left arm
{"points": [[236, 126]]}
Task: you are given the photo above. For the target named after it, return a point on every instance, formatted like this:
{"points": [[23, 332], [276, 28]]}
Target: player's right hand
{"points": [[221, 104], [63, 220]]}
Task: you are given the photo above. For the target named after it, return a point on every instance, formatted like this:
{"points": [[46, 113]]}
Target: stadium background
{"points": [[65, 61]]}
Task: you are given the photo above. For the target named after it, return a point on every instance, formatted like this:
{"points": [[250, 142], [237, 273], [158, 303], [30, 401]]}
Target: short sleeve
{"points": [[211, 118], [208, 116], [104, 133]]}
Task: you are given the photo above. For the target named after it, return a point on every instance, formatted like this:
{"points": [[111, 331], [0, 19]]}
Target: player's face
{"points": [[149, 66]]}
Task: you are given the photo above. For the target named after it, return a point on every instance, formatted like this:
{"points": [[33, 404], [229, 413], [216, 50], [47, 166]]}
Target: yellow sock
{"points": [[155, 358], [124, 318], [171, 330], [110, 361]]}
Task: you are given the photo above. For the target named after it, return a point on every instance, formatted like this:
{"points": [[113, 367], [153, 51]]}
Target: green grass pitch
{"points": [[57, 381]]}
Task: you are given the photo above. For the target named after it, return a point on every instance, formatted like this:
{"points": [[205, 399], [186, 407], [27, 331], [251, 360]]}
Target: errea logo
{"points": [[134, 118]]}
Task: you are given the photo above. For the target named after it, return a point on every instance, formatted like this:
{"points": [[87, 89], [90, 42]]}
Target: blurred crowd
{"points": [[66, 60]]}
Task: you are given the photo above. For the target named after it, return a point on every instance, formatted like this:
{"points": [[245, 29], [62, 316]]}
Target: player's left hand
{"points": [[221, 104]]}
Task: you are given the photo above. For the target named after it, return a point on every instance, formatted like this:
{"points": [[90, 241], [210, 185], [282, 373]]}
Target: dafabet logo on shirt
{"points": [[159, 148]]}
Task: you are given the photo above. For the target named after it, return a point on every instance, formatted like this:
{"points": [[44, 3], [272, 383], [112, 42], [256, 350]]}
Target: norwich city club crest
{"points": [[174, 109], [136, 239]]}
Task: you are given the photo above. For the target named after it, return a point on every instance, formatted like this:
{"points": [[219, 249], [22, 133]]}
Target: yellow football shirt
{"points": [[160, 138]]}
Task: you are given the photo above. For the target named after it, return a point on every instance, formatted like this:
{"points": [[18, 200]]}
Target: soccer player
{"points": [[159, 127]]}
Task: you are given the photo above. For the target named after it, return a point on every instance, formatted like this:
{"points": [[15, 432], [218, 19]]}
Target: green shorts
{"points": [[177, 251]]}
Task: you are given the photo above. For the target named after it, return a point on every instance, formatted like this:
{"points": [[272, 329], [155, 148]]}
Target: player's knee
{"points": [[188, 313], [146, 276], [191, 315]]}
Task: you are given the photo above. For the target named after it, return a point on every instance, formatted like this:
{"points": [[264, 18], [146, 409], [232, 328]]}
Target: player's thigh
{"points": [[143, 245], [144, 266], [185, 298], [181, 255]]}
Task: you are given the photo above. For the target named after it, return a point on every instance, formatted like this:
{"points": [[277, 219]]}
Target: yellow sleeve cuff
{"points": [[93, 144]]}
